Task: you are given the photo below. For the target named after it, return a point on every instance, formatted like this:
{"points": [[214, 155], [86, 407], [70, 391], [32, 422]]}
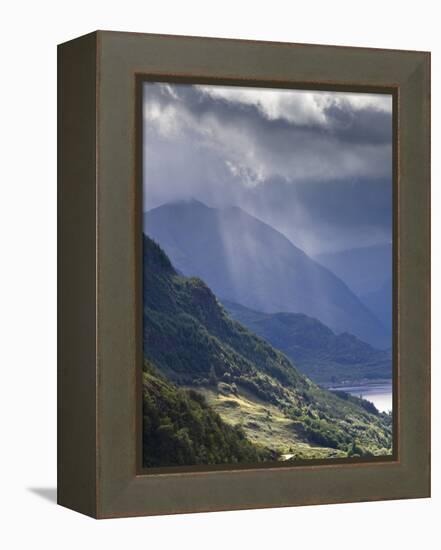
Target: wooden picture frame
{"points": [[100, 350]]}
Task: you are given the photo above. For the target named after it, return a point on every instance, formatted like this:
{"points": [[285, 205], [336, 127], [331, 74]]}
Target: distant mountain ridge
{"points": [[364, 269], [246, 261], [315, 350], [380, 302], [368, 273]]}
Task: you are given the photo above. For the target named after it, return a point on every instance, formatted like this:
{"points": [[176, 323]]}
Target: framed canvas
{"points": [[244, 271]]}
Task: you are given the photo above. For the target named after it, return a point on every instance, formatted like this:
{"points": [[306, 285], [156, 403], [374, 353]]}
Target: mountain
{"points": [[190, 338], [364, 269], [246, 261], [191, 341], [316, 351], [368, 273], [380, 303]]}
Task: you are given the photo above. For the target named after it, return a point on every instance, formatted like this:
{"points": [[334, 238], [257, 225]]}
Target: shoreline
{"points": [[356, 383]]}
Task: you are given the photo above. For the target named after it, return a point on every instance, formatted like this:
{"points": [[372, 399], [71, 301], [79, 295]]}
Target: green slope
{"points": [[316, 350], [179, 428], [189, 338]]}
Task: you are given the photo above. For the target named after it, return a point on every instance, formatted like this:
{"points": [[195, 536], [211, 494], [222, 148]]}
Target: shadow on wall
{"points": [[48, 493]]}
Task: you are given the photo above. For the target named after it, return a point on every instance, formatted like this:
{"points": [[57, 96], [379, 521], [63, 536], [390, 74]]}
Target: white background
{"points": [[29, 34]]}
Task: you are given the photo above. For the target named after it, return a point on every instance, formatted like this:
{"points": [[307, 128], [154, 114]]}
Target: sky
{"points": [[315, 165]]}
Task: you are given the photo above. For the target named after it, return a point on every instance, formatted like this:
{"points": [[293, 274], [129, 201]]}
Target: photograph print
{"points": [[267, 275]]}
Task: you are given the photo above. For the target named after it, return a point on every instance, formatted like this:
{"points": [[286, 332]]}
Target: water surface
{"points": [[378, 393]]}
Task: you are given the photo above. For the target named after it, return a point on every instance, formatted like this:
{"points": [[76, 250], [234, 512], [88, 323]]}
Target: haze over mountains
{"points": [[368, 273], [364, 269], [246, 261], [380, 303]]}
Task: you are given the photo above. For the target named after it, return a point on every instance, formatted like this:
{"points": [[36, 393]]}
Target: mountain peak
{"points": [[191, 202]]}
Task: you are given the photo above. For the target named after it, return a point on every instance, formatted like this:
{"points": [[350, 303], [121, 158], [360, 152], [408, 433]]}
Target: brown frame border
{"points": [[98, 331]]}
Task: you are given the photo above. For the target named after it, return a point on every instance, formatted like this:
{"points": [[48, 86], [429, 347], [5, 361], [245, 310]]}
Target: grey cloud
{"points": [[363, 126], [325, 186]]}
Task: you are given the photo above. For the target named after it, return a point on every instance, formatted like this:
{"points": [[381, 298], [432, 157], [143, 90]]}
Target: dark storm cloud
{"points": [[363, 126], [316, 166]]}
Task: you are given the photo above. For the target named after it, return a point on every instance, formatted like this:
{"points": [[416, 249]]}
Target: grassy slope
{"points": [[180, 428], [190, 338], [317, 352], [266, 425]]}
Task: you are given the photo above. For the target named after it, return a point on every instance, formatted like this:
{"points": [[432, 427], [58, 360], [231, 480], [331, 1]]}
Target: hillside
{"points": [[316, 351], [246, 261], [190, 339], [179, 428]]}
